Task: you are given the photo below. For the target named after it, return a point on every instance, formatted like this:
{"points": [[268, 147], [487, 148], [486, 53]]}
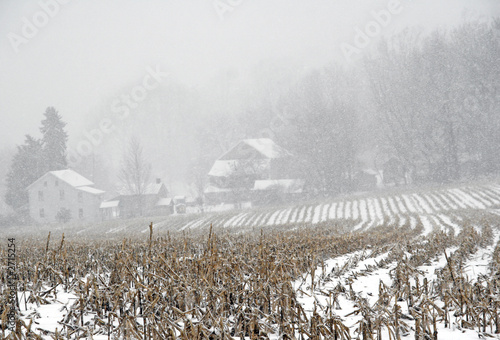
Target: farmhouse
{"points": [[128, 204], [238, 174], [64, 195]]}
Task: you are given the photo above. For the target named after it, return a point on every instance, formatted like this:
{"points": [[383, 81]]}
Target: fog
{"points": [[203, 64]]}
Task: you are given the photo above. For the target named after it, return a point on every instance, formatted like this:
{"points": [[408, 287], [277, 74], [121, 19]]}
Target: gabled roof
{"points": [[69, 176], [164, 202], [109, 204], [266, 147], [223, 168]]}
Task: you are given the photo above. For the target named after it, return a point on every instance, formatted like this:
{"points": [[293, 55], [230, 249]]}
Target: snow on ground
{"points": [[317, 214], [428, 227], [400, 205], [332, 212], [355, 210], [362, 273], [324, 215], [447, 220]]}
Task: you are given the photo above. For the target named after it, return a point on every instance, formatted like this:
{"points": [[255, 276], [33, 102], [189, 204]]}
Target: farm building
{"points": [[64, 195], [127, 204], [233, 177]]}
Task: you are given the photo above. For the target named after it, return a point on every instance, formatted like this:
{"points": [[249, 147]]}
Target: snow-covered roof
{"points": [[222, 168], [68, 176], [267, 147], [109, 204], [91, 190], [72, 178], [164, 202], [239, 159], [292, 186]]}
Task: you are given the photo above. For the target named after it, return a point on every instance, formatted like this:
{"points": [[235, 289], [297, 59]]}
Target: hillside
{"points": [[432, 209]]}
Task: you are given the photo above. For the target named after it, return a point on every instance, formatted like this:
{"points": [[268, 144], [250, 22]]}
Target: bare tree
{"points": [[135, 173]]}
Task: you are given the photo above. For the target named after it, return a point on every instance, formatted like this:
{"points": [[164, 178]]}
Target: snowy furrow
{"points": [[308, 217], [401, 208], [392, 205], [332, 213], [385, 207], [302, 212], [458, 201], [324, 213], [422, 203], [355, 210], [240, 220], [317, 214], [486, 202], [294, 215], [409, 204], [448, 202], [434, 206], [363, 210], [347, 212], [427, 224], [273, 217], [447, 220], [286, 216], [378, 209], [468, 200], [372, 216], [340, 210]]}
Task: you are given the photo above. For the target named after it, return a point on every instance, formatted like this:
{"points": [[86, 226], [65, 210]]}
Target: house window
{"points": [[80, 197], [80, 213], [61, 195], [57, 183], [40, 196], [42, 213]]}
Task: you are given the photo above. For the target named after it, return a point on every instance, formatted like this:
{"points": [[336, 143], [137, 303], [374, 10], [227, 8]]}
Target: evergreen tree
{"points": [[53, 141], [26, 167]]}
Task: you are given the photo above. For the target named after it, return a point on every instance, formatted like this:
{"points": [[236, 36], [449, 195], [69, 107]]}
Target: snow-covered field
{"points": [[432, 208], [387, 266]]}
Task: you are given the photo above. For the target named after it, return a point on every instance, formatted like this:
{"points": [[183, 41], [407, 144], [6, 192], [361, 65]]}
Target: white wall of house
{"points": [[49, 194]]}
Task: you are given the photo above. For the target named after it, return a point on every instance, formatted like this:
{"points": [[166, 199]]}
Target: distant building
{"points": [[233, 177], [64, 192], [127, 204]]}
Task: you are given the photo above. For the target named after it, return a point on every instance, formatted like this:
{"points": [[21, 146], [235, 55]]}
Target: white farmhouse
{"points": [[60, 191]]}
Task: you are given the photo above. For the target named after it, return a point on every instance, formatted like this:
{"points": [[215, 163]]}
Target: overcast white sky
{"points": [[93, 48]]}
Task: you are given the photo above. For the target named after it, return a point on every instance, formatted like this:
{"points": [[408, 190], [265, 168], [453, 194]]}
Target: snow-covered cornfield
{"points": [[424, 265], [308, 283], [433, 209]]}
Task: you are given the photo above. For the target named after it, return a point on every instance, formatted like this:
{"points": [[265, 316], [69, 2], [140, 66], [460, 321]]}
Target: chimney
{"points": [[158, 180]]}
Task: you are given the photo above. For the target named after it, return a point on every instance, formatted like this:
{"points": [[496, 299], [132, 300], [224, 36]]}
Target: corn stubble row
{"points": [[218, 285]]}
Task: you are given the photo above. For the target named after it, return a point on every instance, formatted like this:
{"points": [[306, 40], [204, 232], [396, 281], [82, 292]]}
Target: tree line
{"points": [[36, 157], [429, 101]]}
